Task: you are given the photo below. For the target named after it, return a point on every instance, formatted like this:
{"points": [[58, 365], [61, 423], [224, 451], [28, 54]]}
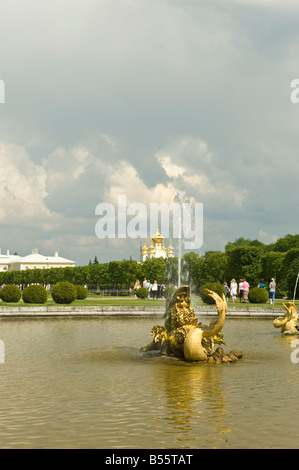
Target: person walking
{"points": [[233, 290], [262, 284], [155, 290], [136, 287], [227, 290], [241, 291], [272, 287], [148, 285], [245, 290]]}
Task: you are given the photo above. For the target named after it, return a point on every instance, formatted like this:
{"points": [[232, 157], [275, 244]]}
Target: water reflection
{"points": [[194, 398]]}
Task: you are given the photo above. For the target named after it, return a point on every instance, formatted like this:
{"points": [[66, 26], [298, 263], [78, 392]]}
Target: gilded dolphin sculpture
{"points": [[183, 336], [289, 321]]}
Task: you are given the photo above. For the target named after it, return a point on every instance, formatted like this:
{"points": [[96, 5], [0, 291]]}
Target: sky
{"points": [[145, 99]]}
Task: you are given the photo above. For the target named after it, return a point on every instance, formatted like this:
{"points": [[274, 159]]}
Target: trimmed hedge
{"points": [[64, 292], [257, 295], [82, 292], [214, 286], [142, 293], [10, 293], [35, 294]]}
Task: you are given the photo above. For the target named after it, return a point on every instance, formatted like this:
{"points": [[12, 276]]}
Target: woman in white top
{"points": [[155, 290], [272, 286], [233, 290]]}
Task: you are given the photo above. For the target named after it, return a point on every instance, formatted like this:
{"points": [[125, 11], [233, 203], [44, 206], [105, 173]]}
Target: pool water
{"points": [[83, 383]]}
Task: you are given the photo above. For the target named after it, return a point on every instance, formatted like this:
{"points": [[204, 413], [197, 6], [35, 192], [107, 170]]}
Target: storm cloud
{"points": [[144, 99]]}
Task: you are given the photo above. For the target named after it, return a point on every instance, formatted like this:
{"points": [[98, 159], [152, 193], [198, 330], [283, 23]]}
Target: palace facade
{"points": [[32, 261]]}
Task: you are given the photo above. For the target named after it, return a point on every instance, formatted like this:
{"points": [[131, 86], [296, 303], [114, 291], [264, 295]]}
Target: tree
{"points": [[291, 270], [189, 268], [81, 275], [97, 275], [115, 273], [53, 275], [154, 269], [244, 241], [286, 243], [69, 274], [245, 261], [215, 266], [32, 276], [130, 272], [14, 277], [273, 266]]}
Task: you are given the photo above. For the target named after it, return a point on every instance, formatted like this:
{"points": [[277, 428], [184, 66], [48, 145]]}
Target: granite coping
{"points": [[132, 311]]}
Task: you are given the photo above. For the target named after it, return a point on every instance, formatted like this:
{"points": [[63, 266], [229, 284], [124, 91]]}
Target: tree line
{"points": [[242, 258]]}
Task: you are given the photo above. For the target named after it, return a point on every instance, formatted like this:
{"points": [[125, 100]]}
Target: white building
{"points": [[33, 261], [157, 248]]}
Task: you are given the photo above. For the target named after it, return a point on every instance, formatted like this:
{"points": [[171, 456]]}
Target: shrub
{"points": [[257, 296], [82, 292], [10, 293], [214, 286], [142, 293], [35, 294], [64, 292]]}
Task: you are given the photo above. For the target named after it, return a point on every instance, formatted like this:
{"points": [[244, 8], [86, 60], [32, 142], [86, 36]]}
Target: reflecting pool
{"points": [[83, 383]]}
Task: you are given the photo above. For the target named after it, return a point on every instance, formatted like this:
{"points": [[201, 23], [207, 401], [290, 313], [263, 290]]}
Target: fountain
{"points": [[295, 289], [183, 337], [289, 321], [181, 199]]}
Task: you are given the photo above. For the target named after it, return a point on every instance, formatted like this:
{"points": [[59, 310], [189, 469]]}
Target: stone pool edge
{"points": [[130, 311]]}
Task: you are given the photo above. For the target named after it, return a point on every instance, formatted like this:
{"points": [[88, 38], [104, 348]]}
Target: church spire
{"points": [[170, 250], [157, 247]]}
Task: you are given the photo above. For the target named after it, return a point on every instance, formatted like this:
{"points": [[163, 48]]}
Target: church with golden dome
{"points": [[157, 248]]}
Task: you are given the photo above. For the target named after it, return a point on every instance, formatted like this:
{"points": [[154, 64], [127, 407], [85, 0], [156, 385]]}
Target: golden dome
{"points": [[152, 249], [157, 238]]}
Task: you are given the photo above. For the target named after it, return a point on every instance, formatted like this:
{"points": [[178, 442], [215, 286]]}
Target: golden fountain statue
{"points": [[183, 337], [289, 321]]}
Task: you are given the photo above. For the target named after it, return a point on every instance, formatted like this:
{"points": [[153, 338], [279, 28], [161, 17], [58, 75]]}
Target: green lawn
{"points": [[278, 304], [130, 301], [93, 302]]}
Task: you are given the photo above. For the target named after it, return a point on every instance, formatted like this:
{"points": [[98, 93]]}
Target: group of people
{"points": [[241, 290], [236, 290], [155, 289]]}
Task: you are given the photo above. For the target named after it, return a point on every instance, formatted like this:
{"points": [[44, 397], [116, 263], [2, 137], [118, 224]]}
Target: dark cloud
{"points": [[105, 97]]}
